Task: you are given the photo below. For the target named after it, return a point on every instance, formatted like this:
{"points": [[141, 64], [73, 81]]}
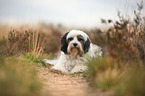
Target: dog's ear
{"points": [[64, 43], [86, 45]]}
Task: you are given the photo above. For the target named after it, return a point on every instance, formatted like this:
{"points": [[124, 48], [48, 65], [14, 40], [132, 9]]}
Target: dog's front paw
{"points": [[77, 69]]}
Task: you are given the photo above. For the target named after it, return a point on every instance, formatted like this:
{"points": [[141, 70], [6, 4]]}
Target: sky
{"points": [[84, 13]]}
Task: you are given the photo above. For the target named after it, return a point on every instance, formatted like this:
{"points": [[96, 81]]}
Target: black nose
{"points": [[75, 44]]}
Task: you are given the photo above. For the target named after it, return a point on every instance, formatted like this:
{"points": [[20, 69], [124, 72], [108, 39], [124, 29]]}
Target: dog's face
{"points": [[75, 42]]}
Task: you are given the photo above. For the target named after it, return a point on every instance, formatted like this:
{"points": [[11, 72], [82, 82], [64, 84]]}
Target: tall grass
{"points": [[18, 78], [119, 78], [36, 40], [103, 73], [131, 82]]}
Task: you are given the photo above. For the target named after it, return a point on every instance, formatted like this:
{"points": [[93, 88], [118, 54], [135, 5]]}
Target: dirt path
{"points": [[62, 84]]}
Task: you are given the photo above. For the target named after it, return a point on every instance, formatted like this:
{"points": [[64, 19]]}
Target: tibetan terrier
{"points": [[76, 47]]}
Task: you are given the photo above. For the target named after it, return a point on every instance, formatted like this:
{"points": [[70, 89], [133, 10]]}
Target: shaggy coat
{"points": [[76, 47]]}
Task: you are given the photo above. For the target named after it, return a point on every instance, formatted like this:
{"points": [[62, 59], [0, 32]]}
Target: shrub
{"points": [[125, 40], [28, 41]]}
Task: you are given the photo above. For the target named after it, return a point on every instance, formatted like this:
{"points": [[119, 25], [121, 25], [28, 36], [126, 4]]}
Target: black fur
{"points": [[86, 46], [64, 43]]}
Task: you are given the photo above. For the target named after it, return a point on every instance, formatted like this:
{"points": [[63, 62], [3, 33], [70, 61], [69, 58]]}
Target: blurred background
{"points": [[53, 18], [30, 31], [82, 13]]}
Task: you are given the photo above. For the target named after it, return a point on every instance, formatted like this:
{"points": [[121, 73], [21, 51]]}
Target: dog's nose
{"points": [[75, 44]]}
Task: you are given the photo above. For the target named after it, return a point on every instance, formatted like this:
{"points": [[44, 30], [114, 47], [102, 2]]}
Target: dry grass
{"points": [[4, 29], [37, 41]]}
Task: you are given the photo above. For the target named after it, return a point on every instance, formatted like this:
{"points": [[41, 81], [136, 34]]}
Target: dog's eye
{"points": [[80, 39], [70, 39]]}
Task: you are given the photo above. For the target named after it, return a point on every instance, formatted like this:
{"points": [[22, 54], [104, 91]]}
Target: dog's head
{"points": [[75, 42]]}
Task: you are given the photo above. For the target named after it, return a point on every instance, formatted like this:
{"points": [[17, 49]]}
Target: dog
{"points": [[76, 48]]}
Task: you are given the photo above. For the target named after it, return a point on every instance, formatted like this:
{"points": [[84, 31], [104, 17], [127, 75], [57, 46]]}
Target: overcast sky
{"points": [[86, 13]]}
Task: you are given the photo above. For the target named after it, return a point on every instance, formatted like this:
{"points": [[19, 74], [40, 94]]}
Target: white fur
{"points": [[71, 63], [73, 33], [78, 46]]}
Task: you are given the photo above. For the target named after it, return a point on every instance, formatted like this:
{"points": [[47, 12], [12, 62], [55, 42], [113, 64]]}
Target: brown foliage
{"points": [[21, 41]]}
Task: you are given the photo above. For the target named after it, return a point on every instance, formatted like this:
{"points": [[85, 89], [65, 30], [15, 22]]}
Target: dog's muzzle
{"points": [[75, 49]]}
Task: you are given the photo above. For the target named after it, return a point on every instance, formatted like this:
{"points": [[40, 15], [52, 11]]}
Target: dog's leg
{"points": [[52, 62], [59, 67], [79, 68]]}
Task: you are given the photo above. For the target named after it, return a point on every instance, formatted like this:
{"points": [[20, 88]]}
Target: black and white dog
{"points": [[75, 49]]}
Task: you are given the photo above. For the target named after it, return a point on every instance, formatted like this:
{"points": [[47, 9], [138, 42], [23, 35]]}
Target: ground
{"points": [[60, 84]]}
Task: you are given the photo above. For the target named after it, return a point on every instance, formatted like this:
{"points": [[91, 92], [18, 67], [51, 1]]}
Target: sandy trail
{"points": [[62, 84]]}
